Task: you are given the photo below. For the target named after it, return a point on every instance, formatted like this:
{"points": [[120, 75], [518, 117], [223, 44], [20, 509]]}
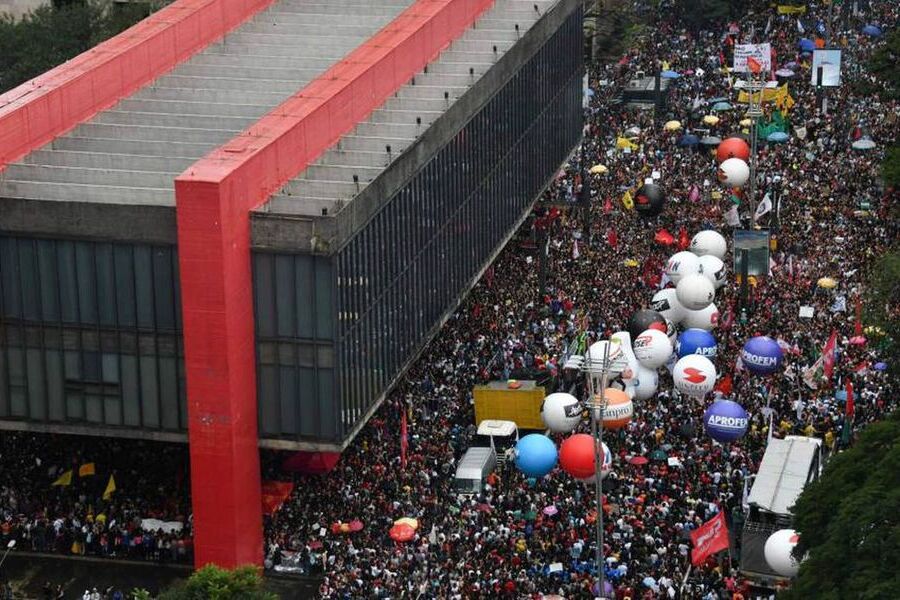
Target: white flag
{"points": [[764, 206], [732, 218], [768, 26], [575, 252], [800, 26]]}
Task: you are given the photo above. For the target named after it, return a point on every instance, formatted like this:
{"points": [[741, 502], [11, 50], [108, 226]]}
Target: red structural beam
{"points": [[51, 104], [214, 198]]}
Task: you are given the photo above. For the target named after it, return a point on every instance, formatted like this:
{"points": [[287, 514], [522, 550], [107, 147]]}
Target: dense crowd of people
{"points": [[500, 543]]}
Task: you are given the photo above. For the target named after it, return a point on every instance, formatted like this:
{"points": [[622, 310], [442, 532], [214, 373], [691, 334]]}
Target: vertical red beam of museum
{"points": [[217, 307], [214, 198]]}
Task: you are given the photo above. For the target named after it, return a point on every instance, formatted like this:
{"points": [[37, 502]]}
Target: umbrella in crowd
{"points": [[710, 140], [778, 137], [688, 139], [872, 30], [721, 106], [863, 144], [669, 75], [786, 73]]}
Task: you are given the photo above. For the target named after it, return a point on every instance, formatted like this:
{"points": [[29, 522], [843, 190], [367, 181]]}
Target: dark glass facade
{"points": [[91, 333], [398, 276]]}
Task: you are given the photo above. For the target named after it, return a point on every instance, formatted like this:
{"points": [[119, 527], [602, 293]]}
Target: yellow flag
{"points": [[64, 479], [110, 488], [625, 143], [787, 9], [87, 470], [627, 200]]}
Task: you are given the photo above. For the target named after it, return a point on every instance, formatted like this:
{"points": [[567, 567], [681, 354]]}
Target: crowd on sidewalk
{"points": [[486, 546]]}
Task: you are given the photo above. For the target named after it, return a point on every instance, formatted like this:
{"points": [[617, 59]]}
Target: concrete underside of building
{"points": [[246, 240]]}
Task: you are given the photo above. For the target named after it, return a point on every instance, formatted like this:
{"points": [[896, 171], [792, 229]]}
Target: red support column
{"points": [[220, 361]]}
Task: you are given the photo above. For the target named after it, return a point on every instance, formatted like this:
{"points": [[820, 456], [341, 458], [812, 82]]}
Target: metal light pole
{"points": [[594, 367], [9, 546], [754, 111]]}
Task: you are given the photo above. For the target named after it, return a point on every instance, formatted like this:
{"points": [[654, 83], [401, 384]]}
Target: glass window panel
{"points": [[323, 299], [288, 404], [305, 284], [87, 283], [143, 286], [269, 400], [37, 392], [49, 280], [130, 391], [124, 276], [164, 295], [168, 392], [29, 282], [106, 285], [264, 288], [56, 403], [284, 295], [149, 381]]}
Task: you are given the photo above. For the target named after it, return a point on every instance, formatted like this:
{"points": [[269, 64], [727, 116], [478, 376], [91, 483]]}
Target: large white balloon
{"points": [[695, 292], [682, 264], [734, 172], [652, 348], [694, 375], [561, 412], [707, 318], [713, 269], [709, 242], [778, 552], [666, 303], [646, 383]]}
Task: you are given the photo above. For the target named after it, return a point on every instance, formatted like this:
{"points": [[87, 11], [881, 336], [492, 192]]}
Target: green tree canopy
{"points": [[50, 36], [849, 522], [214, 583], [883, 306]]}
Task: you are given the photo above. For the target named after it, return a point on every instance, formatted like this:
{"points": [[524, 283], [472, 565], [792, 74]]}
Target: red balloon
{"points": [[733, 147], [576, 455]]}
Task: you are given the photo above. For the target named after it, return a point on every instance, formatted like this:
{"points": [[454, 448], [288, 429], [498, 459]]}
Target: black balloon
{"points": [[649, 200], [643, 320]]}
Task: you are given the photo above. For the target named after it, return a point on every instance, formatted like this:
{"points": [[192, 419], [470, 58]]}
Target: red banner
{"points": [[274, 493], [709, 538]]}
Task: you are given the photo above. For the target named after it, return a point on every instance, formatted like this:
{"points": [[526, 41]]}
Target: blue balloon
{"points": [[726, 421], [696, 341], [762, 355], [536, 455]]}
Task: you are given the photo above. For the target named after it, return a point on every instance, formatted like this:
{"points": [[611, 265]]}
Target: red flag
{"points": [[709, 538], [274, 493], [850, 407], [753, 65], [664, 237], [683, 240], [828, 356], [612, 237], [607, 206], [725, 385], [857, 326], [404, 438]]}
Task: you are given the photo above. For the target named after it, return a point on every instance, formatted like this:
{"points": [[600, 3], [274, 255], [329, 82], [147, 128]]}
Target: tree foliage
{"points": [[849, 522], [214, 583], [50, 36], [883, 306], [890, 167], [885, 65]]}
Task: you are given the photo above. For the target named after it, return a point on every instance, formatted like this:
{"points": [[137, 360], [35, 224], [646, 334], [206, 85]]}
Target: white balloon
{"points": [[707, 318], [694, 375], [734, 172], [709, 242], [561, 412], [652, 348], [778, 550], [695, 292], [666, 303], [713, 269], [646, 383], [682, 264]]}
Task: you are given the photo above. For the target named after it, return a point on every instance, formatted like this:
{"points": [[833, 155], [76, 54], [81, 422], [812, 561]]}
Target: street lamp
{"points": [[9, 546], [597, 370]]}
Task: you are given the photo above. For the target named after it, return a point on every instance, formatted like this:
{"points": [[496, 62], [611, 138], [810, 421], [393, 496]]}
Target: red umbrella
{"points": [[356, 525], [402, 532], [858, 340], [638, 460]]}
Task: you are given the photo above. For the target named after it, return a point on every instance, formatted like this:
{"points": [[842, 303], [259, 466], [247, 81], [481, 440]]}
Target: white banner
{"points": [[153, 525], [761, 52]]}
